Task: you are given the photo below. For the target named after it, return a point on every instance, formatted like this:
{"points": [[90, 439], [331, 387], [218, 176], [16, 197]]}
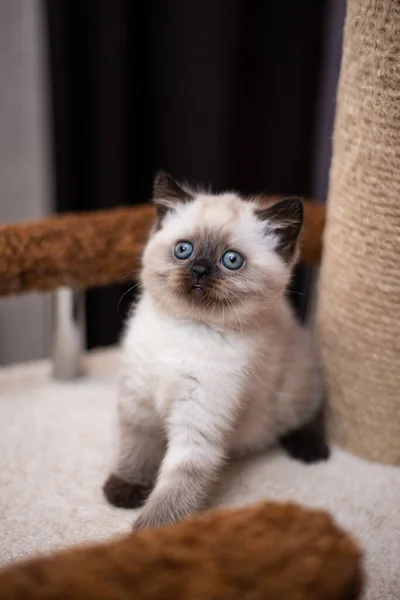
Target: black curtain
{"points": [[220, 92]]}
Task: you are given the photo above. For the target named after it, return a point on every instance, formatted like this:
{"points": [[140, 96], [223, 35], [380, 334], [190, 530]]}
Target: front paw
{"points": [[123, 494], [154, 517]]}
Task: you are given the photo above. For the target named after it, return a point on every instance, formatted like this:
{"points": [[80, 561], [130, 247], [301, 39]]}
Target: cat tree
{"points": [[358, 314], [274, 551], [359, 295]]}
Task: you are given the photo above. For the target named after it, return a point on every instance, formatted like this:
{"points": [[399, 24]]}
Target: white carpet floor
{"points": [[57, 441]]}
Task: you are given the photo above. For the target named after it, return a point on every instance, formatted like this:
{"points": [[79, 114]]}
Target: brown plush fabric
{"points": [[94, 249], [265, 552]]}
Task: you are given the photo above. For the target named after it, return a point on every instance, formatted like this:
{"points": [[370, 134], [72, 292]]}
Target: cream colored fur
{"points": [[202, 383]]}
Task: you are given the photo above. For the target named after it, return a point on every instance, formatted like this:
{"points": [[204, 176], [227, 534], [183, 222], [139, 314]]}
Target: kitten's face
{"points": [[218, 259]]}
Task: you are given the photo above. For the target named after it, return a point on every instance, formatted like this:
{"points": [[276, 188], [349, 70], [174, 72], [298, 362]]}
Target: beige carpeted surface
{"points": [[56, 443]]}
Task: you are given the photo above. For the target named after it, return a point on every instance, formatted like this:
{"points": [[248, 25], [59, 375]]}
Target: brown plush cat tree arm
{"points": [[98, 248], [265, 552]]}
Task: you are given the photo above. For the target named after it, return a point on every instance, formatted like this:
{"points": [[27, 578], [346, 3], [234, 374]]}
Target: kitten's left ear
{"points": [[167, 194], [284, 219]]}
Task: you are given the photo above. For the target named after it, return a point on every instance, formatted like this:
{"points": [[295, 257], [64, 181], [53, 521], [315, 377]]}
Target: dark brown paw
{"points": [[308, 443], [122, 494], [308, 448]]}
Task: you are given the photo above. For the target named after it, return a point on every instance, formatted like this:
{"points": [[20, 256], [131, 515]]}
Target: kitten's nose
{"points": [[200, 269]]}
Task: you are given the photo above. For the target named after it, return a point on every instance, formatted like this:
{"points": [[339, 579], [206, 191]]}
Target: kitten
{"points": [[214, 362]]}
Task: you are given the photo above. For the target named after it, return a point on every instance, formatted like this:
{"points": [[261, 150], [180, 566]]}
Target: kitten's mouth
{"points": [[197, 289]]}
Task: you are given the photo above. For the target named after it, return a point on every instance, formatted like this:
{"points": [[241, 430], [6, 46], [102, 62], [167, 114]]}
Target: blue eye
{"points": [[183, 250], [232, 260]]}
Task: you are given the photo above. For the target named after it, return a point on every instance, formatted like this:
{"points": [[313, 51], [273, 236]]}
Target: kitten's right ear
{"points": [[167, 194]]}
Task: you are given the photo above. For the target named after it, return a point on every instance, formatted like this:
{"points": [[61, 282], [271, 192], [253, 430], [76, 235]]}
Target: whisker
{"points": [[214, 303], [231, 304], [252, 319], [126, 292], [133, 272], [162, 287], [295, 292], [237, 314]]}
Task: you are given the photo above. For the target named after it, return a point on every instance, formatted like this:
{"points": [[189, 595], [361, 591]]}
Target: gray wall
{"points": [[24, 185]]}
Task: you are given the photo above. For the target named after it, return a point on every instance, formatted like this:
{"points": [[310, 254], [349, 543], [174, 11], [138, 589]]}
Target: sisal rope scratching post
{"points": [[358, 314]]}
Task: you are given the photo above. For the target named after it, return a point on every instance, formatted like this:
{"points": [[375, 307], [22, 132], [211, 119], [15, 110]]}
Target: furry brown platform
{"points": [[266, 552], [98, 248]]}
